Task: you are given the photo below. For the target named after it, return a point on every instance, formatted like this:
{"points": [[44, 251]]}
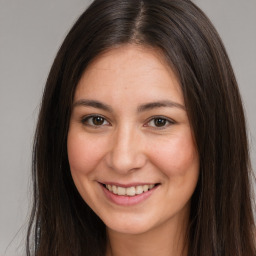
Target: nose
{"points": [[126, 153]]}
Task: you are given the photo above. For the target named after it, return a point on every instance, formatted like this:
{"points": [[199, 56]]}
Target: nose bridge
{"points": [[126, 153]]}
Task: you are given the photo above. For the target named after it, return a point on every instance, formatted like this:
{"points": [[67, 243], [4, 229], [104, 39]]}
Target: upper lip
{"points": [[133, 184]]}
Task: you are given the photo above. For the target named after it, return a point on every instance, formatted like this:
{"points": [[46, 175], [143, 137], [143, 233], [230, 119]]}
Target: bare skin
{"points": [[165, 240], [129, 129]]}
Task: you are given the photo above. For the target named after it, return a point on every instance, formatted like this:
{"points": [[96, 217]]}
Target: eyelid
{"points": [[169, 120], [84, 119]]}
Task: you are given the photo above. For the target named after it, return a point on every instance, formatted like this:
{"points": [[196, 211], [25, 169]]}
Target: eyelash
{"points": [[87, 119], [167, 121]]}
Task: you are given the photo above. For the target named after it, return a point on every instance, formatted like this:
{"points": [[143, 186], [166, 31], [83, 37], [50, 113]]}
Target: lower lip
{"points": [[128, 200]]}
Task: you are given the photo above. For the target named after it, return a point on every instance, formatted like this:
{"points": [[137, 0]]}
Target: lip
{"points": [[128, 185], [127, 200]]}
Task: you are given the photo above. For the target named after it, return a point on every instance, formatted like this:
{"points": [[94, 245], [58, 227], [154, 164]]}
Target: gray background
{"points": [[30, 35]]}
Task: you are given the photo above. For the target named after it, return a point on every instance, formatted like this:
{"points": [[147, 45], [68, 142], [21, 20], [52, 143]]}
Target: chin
{"points": [[131, 229], [132, 226]]}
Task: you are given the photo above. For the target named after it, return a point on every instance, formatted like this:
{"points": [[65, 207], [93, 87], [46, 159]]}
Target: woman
{"points": [[141, 146]]}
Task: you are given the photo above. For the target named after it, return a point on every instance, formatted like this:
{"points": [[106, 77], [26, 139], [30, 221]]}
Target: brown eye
{"points": [[159, 122], [98, 120], [95, 121]]}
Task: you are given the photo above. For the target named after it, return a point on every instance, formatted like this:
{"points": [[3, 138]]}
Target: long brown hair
{"points": [[221, 219]]}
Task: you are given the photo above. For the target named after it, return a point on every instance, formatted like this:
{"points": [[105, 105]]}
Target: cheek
{"points": [[177, 156], [83, 154]]}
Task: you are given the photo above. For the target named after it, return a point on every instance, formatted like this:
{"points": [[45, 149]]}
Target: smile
{"points": [[129, 191], [128, 195]]}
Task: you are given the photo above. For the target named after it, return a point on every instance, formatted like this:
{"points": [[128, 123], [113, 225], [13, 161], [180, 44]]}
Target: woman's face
{"points": [[130, 145]]}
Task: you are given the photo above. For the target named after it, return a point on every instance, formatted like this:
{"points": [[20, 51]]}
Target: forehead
{"points": [[132, 68]]}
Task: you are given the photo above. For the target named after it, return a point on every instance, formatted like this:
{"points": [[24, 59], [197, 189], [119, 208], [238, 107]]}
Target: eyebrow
{"points": [[141, 108], [160, 104], [94, 104]]}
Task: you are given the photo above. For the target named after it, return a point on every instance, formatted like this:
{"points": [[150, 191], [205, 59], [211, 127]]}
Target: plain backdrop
{"points": [[30, 35]]}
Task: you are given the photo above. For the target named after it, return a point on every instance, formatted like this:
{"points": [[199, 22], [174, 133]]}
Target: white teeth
{"points": [[139, 190], [130, 191], [121, 191], [145, 188], [114, 189]]}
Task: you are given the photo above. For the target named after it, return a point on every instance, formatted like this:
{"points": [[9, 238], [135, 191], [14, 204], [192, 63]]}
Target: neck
{"points": [[165, 240]]}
